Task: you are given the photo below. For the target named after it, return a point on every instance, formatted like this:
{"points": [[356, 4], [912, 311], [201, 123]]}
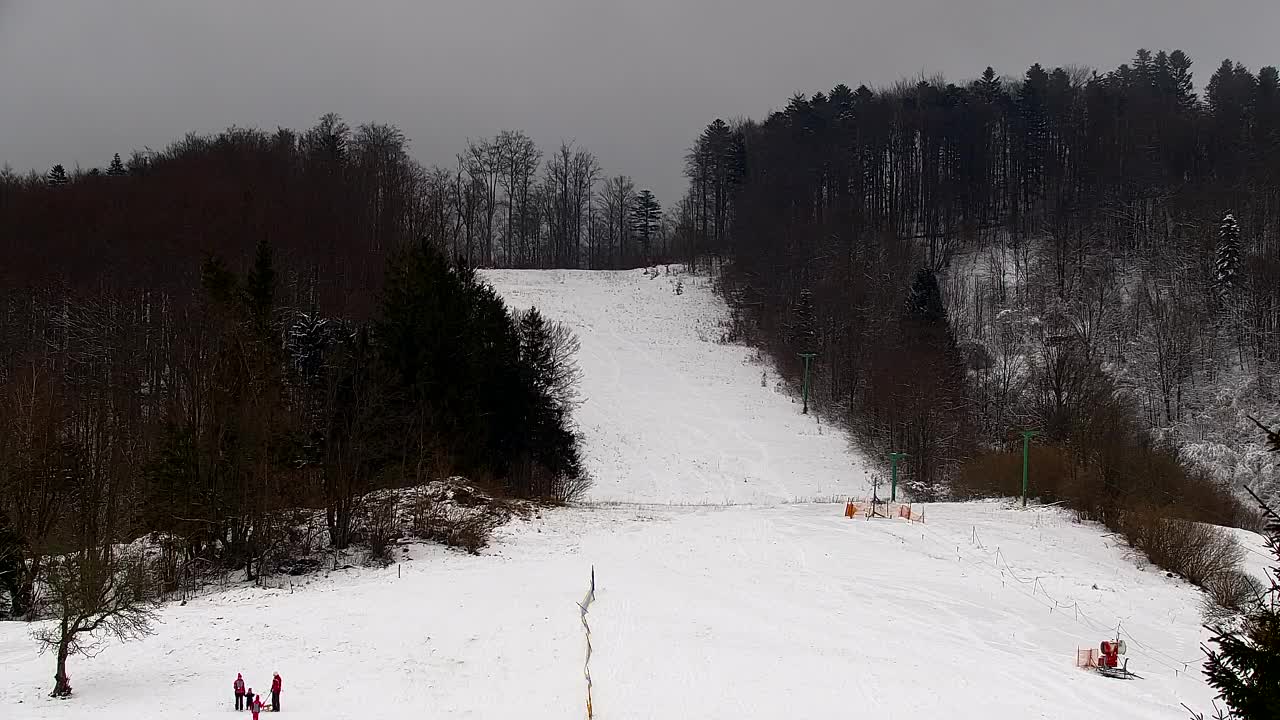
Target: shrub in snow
{"points": [[1230, 593], [456, 515], [379, 529], [1195, 551]]}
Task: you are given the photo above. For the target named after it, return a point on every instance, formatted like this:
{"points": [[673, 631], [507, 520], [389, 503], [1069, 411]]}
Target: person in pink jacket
{"points": [[238, 686], [255, 706]]}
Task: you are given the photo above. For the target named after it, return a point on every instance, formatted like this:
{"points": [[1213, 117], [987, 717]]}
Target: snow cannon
{"points": [[1109, 661], [1111, 652]]}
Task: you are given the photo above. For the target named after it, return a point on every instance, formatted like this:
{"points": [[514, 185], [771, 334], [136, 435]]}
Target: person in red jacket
{"points": [[255, 706], [238, 686], [275, 692]]}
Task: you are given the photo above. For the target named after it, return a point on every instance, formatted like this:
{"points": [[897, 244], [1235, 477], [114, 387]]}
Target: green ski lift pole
{"points": [[807, 357], [894, 457], [1026, 448]]}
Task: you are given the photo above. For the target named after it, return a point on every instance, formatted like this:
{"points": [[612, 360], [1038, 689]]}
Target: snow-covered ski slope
{"points": [[741, 613], [671, 415], [756, 611]]}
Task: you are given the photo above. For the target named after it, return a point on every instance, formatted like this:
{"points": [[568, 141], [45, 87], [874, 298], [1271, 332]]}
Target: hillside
{"points": [[1215, 394], [761, 611], [712, 613], [671, 415]]}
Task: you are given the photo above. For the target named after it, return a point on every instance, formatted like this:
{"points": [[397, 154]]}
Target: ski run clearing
{"points": [[670, 415], [761, 606]]}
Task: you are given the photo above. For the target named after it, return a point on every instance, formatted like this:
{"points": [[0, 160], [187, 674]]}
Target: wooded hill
{"points": [[1095, 255]]}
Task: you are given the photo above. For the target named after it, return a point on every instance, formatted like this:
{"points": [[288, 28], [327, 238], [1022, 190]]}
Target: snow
{"points": [[671, 415], [761, 610], [741, 612]]}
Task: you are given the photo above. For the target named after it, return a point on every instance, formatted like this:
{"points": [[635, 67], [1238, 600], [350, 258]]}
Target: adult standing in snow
{"points": [[275, 692], [255, 706], [238, 685]]}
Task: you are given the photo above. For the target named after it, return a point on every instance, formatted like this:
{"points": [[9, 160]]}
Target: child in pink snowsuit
{"points": [[255, 707]]}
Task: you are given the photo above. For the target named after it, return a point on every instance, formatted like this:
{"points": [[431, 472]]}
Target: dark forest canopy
{"points": [[333, 201], [201, 341], [1104, 246]]}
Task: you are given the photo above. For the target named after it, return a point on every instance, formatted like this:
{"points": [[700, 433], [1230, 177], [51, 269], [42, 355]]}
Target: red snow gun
{"points": [[1108, 664]]}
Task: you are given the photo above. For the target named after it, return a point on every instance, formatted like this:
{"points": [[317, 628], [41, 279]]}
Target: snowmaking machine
{"points": [[1106, 660]]}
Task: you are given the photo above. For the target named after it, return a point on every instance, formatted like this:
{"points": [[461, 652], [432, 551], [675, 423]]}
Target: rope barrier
{"points": [[1079, 614]]}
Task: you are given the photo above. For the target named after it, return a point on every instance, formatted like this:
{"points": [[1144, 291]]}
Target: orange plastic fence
{"points": [[903, 510], [1086, 658]]}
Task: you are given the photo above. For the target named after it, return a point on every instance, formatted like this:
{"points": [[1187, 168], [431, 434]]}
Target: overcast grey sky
{"points": [[632, 80]]}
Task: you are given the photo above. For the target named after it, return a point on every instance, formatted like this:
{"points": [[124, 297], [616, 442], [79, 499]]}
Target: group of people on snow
{"points": [[246, 697]]}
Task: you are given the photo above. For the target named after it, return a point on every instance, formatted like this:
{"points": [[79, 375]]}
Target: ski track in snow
{"points": [[753, 612]]}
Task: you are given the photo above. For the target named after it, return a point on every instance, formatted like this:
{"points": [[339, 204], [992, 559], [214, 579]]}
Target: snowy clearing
{"points": [[747, 612], [670, 415]]}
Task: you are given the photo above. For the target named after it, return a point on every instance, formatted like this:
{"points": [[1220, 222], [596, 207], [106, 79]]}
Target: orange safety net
{"points": [[884, 509]]}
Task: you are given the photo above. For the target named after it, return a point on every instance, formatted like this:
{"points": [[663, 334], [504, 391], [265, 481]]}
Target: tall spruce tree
{"points": [[57, 176], [1227, 264], [535, 350], [924, 301], [260, 286], [988, 86], [472, 383], [646, 213], [116, 168]]}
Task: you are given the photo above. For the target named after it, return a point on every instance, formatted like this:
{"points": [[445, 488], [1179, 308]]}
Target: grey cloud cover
{"points": [[632, 81]]}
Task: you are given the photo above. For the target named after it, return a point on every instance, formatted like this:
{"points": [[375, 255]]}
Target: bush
{"points": [[464, 520], [379, 529], [1137, 487], [999, 474], [1195, 551], [1230, 593]]}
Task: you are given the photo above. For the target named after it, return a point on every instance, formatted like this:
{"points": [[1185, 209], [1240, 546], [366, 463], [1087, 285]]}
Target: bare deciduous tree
{"points": [[94, 595]]}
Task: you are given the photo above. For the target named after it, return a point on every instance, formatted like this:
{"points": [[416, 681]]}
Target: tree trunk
{"points": [[26, 589], [339, 515], [62, 683]]}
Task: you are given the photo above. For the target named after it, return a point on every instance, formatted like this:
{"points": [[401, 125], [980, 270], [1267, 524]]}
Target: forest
{"points": [[194, 339], [1093, 256], [197, 343]]}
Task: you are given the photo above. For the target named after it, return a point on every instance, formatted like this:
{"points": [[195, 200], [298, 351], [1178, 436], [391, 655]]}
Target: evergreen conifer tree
{"points": [[260, 285], [1227, 270], [116, 168], [57, 176], [924, 301], [645, 216], [535, 350], [988, 86]]}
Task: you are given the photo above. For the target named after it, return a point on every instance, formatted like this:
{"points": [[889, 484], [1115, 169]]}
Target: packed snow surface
{"points": [[734, 613], [670, 414], [745, 612]]}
